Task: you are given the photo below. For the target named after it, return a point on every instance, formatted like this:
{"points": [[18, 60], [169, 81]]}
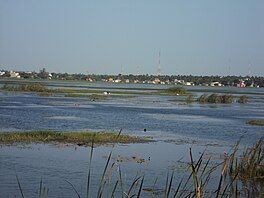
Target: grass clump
{"points": [[242, 99], [79, 138], [256, 122], [216, 98], [174, 91], [189, 99], [36, 87], [91, 97], [250, 167]]}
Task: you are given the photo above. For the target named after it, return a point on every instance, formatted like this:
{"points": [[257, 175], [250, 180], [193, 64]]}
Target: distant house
{"points": [[215, 84], [176, 81], [2, 73], [168, 82], [89, 79], [110, 80], [127, 80], [189, 83], [50, 76], [156, 81], [117, 81], [14, 74], [241, 84]]}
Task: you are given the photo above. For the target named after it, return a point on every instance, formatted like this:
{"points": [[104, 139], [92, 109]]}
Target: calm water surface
{"points": [[175, 126]]}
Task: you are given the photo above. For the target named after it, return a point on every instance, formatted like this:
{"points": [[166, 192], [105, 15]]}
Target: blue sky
{"points": [[195, 37]]}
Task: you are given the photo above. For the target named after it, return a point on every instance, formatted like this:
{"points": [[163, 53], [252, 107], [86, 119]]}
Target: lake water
{"points": [[174, 125]]}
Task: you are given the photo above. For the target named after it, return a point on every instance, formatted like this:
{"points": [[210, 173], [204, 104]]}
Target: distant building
{"points": [[14, 74], [156, 81], [2, 73], [117, 81], [189, 83], [215, 84], [110, 80], [89, 79], [241, 84], [176, 81]]}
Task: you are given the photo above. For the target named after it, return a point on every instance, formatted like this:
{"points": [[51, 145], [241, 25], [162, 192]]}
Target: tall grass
{"points": [[250, 166], [235, 172], [201, 175]]}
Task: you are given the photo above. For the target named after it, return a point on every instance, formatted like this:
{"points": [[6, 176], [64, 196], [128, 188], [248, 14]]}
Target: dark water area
{"points": [[174, 125], [21, 112]]}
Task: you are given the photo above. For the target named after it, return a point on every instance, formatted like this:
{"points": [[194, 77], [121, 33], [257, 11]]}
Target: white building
{"points": [[14, 74], [215, 84], [2, 73]]}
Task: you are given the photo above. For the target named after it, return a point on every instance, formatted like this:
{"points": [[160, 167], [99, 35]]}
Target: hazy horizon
{"points": [[101, 37]]}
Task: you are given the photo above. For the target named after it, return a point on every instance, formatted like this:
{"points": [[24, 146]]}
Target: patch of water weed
{"points": [[79, 138], [242, 99], [224, 99], [173, 91], [189, 99], [92, 97], [256, 122], [36, 87]]}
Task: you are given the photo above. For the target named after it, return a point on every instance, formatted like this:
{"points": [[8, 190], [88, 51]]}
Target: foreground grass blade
{"points": [[120, 178], [40, 188], [178, 188], [169, 189], [74, 189], [140, 188], [166, 185], [131, 187], [103, 176], [114, 189], [89, 171], [19, 185]]}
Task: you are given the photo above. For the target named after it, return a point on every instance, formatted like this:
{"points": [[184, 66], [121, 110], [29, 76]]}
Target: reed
{"points": [[250, 166], [234, 171]]}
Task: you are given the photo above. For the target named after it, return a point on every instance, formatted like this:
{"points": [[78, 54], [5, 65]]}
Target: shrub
{"points": [[189, 98], [242, 99], [216, 98], [36, 87], [174, 91], [202, 98], [256, 122]]}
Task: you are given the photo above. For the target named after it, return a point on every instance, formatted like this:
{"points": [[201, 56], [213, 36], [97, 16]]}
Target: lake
{"points": [[174, 125]]}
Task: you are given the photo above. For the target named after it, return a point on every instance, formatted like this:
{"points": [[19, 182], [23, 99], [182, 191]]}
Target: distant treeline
{"points": [[196, 80]]}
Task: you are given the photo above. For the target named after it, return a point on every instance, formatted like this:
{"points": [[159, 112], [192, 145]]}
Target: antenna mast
{"points": [[159, 67]]}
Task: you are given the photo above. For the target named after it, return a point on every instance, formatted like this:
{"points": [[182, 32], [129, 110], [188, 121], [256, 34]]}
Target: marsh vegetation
{"points": [[236, 176], [256, 122], [173, 91], [224, 98], [79, 138]]}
